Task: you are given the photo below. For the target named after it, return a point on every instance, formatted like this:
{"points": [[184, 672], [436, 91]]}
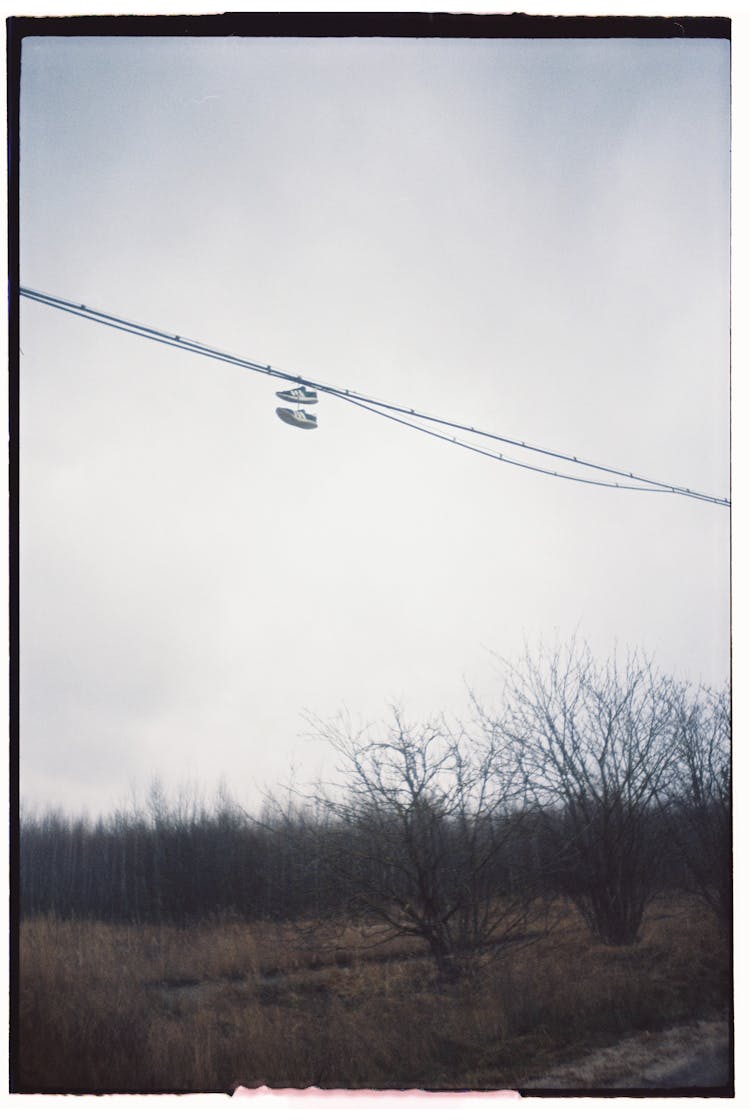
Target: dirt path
{"points": [[692, 1057]]}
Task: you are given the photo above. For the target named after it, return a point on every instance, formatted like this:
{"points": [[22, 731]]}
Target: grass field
{"points": [[125, 1009]]}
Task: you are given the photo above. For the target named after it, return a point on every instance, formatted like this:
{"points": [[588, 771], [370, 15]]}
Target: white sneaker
{"points": [[300, 395], [297, 417]]}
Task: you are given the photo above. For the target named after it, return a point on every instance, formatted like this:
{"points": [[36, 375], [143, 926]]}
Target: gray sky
{"points": [[530, 236]]}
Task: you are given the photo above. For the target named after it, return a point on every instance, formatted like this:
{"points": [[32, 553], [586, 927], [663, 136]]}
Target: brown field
{"points": [[117, 1009]]}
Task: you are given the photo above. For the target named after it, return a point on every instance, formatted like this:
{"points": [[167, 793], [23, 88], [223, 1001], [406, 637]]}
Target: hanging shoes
{"points": [[300, 395], [298, 418]]}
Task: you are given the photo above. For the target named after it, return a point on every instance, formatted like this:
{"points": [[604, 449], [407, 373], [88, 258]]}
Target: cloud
{"points": [[499, 232]]}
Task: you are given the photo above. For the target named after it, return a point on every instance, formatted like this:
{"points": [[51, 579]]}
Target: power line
{"points": [[398, 413], [498, 456]]}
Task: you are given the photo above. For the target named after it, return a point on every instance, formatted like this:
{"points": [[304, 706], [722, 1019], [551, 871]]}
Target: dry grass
{"points": [[156, 1009]]}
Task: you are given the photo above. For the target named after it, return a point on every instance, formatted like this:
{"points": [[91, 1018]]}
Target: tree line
{"points": [[601, 783]]}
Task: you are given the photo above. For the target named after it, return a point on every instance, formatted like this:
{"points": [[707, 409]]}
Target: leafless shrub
{"points": [[420, 834], [595, 744], [698, 807]]}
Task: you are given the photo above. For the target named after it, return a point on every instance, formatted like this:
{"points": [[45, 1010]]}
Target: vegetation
{"points": [[120, 1008], [697, 799], [595, 744], [461, 907], [425, 836]]}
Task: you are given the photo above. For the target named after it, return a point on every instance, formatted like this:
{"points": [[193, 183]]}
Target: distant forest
{"points": [[187, 863]]}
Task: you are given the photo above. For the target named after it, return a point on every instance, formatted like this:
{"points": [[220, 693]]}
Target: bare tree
{"points": [[698, 809], [595, 744], [420, 838]]}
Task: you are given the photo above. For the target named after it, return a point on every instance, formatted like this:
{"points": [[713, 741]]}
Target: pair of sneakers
{"points": [[298, 418]]}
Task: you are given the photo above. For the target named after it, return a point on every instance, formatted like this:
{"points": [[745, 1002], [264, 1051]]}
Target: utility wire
{"points": [[406, 416], [140, 331], [516, 462]]}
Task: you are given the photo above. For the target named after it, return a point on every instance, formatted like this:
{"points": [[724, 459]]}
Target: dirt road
{"points": [[694, 1056]]}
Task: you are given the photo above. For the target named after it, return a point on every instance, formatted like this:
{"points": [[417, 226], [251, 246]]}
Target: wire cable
{"points": [[517, 462], [406, 416], [652, 485], [150, 333]]}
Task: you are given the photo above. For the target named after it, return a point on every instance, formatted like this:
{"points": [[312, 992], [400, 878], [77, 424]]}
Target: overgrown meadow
{"points": [[465, 908]]}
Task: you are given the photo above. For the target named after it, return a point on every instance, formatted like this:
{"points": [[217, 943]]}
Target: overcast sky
{"points": [[528, 236]]}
